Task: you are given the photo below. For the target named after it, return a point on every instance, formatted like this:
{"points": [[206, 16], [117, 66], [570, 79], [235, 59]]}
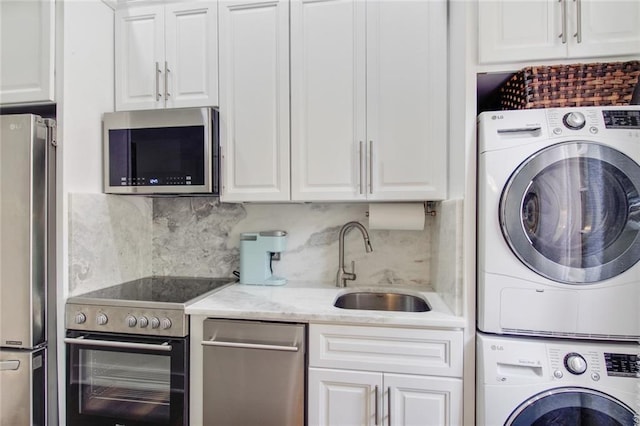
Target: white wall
{"points": [[85, 88]]}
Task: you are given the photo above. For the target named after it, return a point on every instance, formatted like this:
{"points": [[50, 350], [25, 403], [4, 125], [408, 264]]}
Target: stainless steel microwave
{"points": [[168, 151]]}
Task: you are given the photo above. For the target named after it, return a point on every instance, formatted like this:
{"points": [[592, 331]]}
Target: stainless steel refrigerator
{"points": [[27, 270]]}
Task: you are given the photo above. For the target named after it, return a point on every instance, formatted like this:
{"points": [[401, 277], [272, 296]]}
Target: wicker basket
{"points": [[571, 85]]}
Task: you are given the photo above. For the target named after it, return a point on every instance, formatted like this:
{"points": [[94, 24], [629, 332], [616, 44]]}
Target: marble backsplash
{"points": [[109, 240], [118, 238]]}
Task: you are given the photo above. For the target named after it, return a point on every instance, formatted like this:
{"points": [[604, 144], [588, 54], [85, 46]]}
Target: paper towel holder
{"points": [[429, 209]]}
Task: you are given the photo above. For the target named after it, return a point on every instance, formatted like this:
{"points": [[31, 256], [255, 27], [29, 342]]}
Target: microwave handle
{"points": [[164, 347]]}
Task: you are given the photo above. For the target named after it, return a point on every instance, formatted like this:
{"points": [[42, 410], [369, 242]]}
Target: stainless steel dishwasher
{"points": [[254, 373]]}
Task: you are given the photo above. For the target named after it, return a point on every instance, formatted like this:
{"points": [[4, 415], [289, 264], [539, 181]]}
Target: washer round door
{"points": [[572, 406], [571, 212]]}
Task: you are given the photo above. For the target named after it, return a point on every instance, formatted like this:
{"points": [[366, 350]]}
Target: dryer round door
{"points": [[571, 212], [571, 406]]}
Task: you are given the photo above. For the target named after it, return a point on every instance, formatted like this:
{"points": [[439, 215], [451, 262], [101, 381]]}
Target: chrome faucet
{"points": [[342, 277]]}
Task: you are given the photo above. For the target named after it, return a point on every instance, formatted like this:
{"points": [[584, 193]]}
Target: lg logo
{"points": [[497, 348], [497, 117]]}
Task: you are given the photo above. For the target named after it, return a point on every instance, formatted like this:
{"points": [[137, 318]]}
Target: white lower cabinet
{"points": [[346, 397], [384, 376]]}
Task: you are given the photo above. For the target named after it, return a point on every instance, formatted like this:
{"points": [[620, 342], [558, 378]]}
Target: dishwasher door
{"points": [[254, 373]]}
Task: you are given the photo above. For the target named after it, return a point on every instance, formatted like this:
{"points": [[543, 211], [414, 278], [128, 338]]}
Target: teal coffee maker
{"points": [[257, 251]]}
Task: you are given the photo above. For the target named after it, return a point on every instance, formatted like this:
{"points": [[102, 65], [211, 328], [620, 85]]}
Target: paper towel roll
{"points": [[397, 216]]}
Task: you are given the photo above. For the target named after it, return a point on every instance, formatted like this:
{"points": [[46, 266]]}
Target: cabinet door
{"points": [[511, 31], [604, 28], [254, 100], [191, 54], [139, 58], [27, 51], [422, 400], [343, 397], [407, 100], [328, 99]]}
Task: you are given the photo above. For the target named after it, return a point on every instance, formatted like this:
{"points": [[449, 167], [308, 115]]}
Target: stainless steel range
{"points": [[128, 351]]}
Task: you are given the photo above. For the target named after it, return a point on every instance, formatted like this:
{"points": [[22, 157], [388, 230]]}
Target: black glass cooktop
{"points": [[163, 289]]}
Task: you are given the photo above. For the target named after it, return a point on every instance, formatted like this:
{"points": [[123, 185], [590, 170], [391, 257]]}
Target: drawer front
{"points": [[393, 350]]}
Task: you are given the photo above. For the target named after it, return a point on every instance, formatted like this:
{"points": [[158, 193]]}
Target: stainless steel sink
{"points": [[382, 301]]}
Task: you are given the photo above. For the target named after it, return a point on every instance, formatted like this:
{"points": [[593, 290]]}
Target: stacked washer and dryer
{"points": [[558, 266]]}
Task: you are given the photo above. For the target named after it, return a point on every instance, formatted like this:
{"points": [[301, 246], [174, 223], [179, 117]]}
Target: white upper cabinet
{"points": [[254, 100], [514, 31], [167, 55], [27, 51], [406, 100], [368, 100]]}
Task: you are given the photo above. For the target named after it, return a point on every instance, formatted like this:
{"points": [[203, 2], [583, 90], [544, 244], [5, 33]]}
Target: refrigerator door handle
{"points": [[9, 365]]}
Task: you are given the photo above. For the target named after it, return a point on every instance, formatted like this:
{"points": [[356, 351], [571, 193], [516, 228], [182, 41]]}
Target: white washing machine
{"points": [[526, 381], [559, 222]]}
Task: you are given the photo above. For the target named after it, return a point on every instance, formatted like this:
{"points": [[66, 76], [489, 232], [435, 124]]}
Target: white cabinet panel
{"points": [[167, 55], [513, 31], [191, 54], [139, 58], [421, 400], [343, 398], [606, 28], [327, 99], [521, 30], [27, 51], [407, 100], [254, 100], [369, 100]]}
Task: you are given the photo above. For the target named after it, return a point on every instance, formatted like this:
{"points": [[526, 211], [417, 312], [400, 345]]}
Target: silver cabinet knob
{"points": [[575, 363], [102, 319], [155, 322], [143, 322], [80, 318], [131, 321], [165, 323]]}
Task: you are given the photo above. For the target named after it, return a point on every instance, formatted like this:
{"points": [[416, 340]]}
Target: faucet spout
{"points": [[342, 275]]}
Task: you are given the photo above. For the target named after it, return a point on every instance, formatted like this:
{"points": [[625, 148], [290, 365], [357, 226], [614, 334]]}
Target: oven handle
{"points": [[165, 347]]}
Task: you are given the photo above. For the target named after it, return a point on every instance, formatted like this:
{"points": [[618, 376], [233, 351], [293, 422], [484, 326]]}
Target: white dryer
{"points": [[526, 381], [559, 222]]}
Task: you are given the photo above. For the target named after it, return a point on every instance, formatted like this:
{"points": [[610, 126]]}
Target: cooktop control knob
{"points": [[165, 323], [143, 322], [80, 318], [131, 321], [155, 322], [575, 363], [102, 319], [574, 120]]}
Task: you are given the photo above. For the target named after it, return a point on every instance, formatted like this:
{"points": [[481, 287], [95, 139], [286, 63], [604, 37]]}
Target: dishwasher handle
{"points": [[250, 346]]}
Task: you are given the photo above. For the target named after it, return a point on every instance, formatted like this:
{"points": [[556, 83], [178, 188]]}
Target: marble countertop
{"points": [[313, 302]]}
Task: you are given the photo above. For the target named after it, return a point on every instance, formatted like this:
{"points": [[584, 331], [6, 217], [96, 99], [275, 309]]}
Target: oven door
{"points": [[115, 379]]}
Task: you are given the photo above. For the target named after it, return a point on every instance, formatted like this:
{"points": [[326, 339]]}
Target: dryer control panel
{"points": [[622, 365], [621, 119]]}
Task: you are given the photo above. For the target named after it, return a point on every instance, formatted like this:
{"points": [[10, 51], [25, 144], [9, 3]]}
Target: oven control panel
{"points": [[130, 320]]}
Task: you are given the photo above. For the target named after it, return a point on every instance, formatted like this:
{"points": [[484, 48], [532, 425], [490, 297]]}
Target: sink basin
{"points": [[382, 301]]}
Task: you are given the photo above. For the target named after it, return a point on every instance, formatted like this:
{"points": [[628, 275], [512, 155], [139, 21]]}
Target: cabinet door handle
{"points": [[389, 405], [563, 20], [361, 168], [376, 405], [578, 34], [158, 72], [370, 167], [166, 80]]}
